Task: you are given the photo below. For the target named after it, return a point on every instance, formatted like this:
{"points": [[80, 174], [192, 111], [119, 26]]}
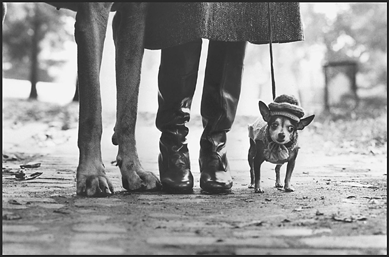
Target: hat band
{"points": [[286, 114]]}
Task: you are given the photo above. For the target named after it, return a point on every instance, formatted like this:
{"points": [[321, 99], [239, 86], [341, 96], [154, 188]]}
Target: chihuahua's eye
{"points": [[290, 129], [274, 125]]}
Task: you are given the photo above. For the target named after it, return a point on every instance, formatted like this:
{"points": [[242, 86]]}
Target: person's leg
{"points": [[176, 82], [219, 102]]}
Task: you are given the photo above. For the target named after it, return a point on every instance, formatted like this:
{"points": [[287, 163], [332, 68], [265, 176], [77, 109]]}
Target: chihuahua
{"points": [[274, 139]]}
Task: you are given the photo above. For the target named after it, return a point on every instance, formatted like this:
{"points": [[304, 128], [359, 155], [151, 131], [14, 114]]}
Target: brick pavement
{"points": [[43, 216]]}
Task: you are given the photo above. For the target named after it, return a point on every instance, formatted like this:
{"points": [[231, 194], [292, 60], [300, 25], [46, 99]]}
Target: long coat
{"points": [[170, 24]]}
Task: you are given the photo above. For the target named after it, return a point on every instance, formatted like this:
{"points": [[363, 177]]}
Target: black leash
{"points": [[273, 82]]}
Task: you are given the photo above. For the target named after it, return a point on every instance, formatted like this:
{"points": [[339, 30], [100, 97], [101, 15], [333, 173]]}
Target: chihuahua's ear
{"points": [[264, 111], [305, 122]]}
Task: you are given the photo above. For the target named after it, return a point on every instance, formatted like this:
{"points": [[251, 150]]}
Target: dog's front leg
{"points": [[258, 160], [257, 172], [289, 171], [278, 177], [128, 31], [90, 29]]}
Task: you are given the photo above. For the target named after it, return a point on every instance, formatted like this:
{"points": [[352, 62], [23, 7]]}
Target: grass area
{"points": [[20, 111], [362, 130]]}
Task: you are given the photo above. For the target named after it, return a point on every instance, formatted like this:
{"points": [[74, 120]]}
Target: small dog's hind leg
{"points": [[257, 173], [251, 156]]}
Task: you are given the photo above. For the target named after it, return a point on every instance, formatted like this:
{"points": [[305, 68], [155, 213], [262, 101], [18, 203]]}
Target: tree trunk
{"points": [[34, 55]]}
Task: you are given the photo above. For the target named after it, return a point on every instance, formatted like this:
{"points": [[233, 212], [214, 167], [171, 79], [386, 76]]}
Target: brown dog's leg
{"points": [[128, 31], [90, 29], [251, 157], [257, 172], [258, 160], [278, 177]]}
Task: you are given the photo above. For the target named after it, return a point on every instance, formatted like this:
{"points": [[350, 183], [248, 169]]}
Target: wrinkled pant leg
{"points": [[222, 86]]}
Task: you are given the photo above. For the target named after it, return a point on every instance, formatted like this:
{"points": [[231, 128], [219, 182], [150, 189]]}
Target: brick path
{"points": [[339, 207]]}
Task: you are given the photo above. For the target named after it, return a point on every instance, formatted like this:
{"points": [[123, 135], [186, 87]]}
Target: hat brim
{"points": [[287, 108]]}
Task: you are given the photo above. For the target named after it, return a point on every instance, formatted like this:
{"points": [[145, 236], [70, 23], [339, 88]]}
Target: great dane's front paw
{"points": [[94, 185], [150, 180], [131, 181], [140, 180]]}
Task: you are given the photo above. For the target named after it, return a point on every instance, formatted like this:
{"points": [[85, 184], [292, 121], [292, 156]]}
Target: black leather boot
{"points": [[174, 162], [176, 83], [219, 102], [215, 174]]}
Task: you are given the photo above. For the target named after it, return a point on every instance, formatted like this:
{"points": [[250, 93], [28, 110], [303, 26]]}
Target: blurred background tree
{"points": [[28, 29], [357, 32], [333, 32]]}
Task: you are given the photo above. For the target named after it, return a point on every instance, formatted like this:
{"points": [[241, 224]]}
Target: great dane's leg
{"points": [[90, 29], [128, 31]]}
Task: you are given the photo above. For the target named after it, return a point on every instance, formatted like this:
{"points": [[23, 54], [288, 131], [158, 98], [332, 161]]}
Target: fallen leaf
{"points": [[31, 165], [62, 211], [351, 196], [7, 170], [319, 213], [249, 200], [346, 220], [372, 201], [246, 224], [373, 197], [14, 202], [11, 217], [34, 175], [7, 158], [20, 175]]}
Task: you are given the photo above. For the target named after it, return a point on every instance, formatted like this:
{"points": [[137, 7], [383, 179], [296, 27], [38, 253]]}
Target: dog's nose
{"points": [[281, 136]]}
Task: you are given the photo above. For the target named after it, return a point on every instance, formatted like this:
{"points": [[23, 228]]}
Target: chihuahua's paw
{"points": [[251, 185], [289, 189], [279, 185], [259, 190]]}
